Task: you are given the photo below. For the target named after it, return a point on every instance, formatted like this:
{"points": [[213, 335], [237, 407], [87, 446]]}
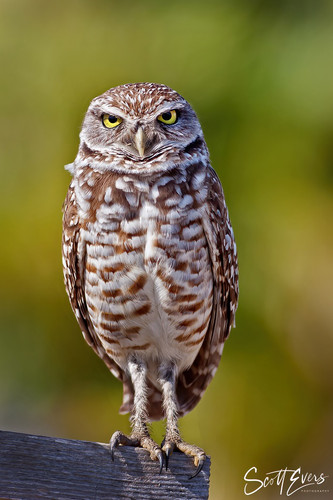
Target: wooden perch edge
{"points": [[33, 467]]}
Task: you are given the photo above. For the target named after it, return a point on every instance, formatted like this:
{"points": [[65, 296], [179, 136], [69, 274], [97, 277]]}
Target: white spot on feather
{"points": [[107, 196], [227, 241], [123, 185], [70, 168], [185, 201], [132, 199], [198, 180]]}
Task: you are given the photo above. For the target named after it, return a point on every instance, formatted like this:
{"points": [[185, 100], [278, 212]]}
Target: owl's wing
{"points": [[73, 256], [222, 249]]}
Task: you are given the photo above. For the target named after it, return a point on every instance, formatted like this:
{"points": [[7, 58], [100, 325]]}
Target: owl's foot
{"points": [[169, 444], [137, 439]]}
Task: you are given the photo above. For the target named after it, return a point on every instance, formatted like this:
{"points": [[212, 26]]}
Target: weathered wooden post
{"points": [[34, 467]]}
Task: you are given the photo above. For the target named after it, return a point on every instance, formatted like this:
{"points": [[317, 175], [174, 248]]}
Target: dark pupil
{"points": [[113, 119], [166, 116]]}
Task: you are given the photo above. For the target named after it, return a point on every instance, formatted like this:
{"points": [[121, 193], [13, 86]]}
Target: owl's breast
{"points": [[178, 261], [148, 279]]}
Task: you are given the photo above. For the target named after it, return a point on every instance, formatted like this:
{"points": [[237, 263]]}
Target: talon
{"points": [[118, 438], [113, 444], [160, 457], [168, 449], [200, 461], [167, 456]]}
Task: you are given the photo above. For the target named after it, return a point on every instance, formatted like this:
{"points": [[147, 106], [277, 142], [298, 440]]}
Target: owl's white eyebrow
{"points": [[169, 106], [114, 111]]}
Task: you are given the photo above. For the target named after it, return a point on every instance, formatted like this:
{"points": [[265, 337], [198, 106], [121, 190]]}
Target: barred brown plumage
{"points": [[149, 256]]}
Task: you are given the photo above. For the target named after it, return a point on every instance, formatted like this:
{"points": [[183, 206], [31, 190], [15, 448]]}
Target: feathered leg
{"points": [[140, 435], [172, 440]]}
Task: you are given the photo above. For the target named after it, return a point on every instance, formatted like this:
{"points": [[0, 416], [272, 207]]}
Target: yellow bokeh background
{"points": [[260, 76]]}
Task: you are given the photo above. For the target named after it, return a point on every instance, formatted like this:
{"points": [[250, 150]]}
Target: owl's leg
{"points": [[139, 435], [172, 440]]}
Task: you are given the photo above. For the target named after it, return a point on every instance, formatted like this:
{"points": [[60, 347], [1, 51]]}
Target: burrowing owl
{"points": [[149, 256]]}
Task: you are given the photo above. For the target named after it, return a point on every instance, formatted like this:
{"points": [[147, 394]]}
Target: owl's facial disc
{"points": [[140, 128], [144, 137]]}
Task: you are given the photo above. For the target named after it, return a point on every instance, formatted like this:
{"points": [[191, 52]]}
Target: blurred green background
{"points": [[260, 76]]}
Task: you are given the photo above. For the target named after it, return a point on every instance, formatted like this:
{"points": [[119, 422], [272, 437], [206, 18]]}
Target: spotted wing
{"points": [[222, 248], [73, 255]]}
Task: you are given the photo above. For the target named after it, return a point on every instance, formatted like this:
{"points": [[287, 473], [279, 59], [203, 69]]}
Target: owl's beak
{"points": [[140, 141]]}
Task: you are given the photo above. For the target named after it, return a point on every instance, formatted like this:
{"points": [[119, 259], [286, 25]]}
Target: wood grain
{"points": [[33, 467]]}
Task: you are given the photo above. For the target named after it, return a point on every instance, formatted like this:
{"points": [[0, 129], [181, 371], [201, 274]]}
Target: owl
{"points": [[149, 257]]}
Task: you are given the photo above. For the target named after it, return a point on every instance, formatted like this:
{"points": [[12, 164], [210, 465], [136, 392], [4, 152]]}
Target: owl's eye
{"points": [[169, 117], [111, 121]]}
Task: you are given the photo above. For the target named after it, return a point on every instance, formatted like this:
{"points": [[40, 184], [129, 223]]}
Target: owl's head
{"points": [[136, 124]]}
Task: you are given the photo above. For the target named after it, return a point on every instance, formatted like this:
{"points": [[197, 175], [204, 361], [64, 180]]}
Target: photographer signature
{"points": [[289, 480]]}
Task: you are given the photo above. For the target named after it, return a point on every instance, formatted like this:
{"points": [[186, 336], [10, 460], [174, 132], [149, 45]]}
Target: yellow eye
{"points": [[111, 121], [169, 117]]}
